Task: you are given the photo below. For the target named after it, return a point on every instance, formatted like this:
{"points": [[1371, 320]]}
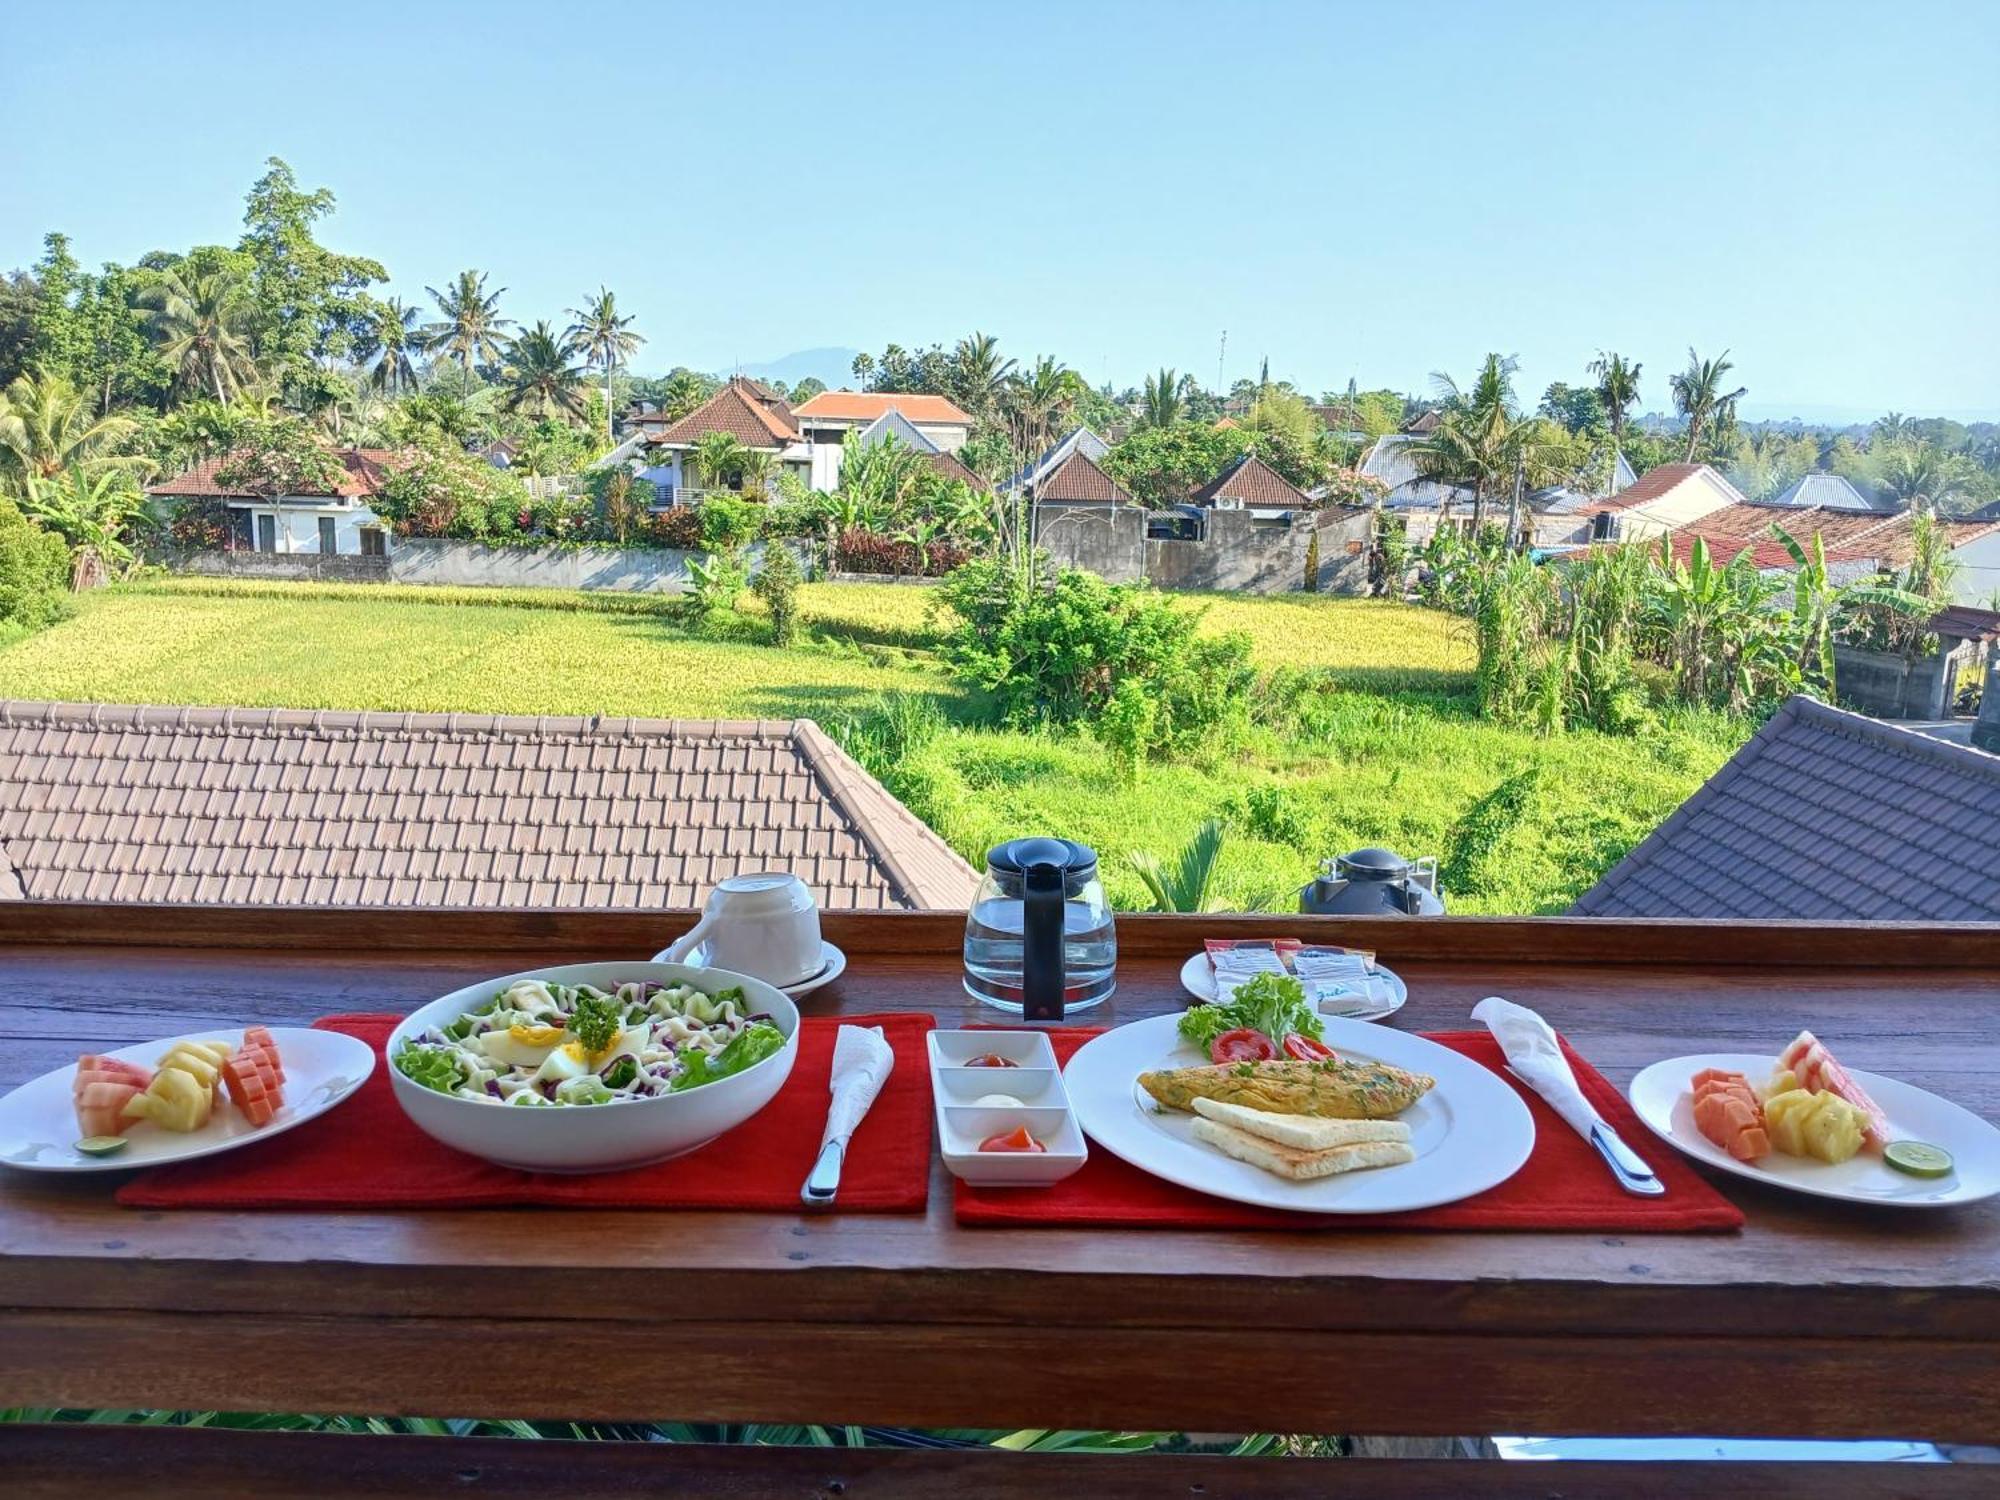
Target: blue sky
{"points": [[1362, 190]]}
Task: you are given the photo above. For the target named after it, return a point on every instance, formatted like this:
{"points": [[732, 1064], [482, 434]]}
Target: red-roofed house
{"points": [[1253, 485], [826, 419], [1665, 499], [747, 410], [336, 523]]}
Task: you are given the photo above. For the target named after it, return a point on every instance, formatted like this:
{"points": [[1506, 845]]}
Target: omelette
{"points": [[1328, 1089]]}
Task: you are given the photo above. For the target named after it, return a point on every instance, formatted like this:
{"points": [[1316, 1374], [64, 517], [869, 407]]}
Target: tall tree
{"points": [[1040, 402], [980, 373], [308, 301], [46, 428], [393, 338], [1617, 388], [201, 321], [605, 338], [540, 377], [1699, 397], [472, 328], [1160, 400]]}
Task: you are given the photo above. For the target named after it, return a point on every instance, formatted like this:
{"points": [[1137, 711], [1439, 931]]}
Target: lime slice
{"points": [[102, 1145], [1918, 1159]]}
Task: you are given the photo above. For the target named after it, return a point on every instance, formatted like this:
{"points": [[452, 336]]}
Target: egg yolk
{"points": [[535, 1036]]}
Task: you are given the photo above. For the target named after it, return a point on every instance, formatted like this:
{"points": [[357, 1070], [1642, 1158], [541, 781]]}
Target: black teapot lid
{"points": [[1019, 855], [1372, 864]]}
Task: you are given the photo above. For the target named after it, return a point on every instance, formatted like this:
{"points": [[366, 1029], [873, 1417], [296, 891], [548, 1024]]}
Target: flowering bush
{"points": [[679, 527], [200, 526]]}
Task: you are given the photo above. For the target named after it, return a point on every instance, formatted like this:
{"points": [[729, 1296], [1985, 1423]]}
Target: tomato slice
{"points": [[1016, 1139], [991, 1060], [1304, 1048], [1244, 1044]]}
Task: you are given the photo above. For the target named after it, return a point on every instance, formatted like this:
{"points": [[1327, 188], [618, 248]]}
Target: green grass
{"points": [[1394, 754]]}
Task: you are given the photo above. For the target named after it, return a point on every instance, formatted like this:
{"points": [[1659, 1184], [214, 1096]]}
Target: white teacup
{"points": [[763, 923]]}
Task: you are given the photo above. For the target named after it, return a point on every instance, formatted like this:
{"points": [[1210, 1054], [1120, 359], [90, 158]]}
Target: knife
{"points": [[824, 1179], [1626, 1165]]}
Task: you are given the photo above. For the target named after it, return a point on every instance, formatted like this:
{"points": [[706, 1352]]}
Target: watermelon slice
{"points": [[1818, 1070], [100, 1107]]}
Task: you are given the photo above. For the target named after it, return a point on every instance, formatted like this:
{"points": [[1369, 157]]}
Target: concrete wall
{"points": [[320, 566], [1109, 541], [629, 570], [1237, 552], [1899, 687], [1243, 555]]}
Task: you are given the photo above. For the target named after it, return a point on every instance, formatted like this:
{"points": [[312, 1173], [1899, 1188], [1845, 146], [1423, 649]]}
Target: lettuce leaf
{"points": [[435, 1068], [1274, 1004], [750, 1046]]}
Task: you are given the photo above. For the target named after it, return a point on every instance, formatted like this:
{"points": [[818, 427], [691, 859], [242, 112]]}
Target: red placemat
{"points": [[367, 1154], [1564, 1185]]}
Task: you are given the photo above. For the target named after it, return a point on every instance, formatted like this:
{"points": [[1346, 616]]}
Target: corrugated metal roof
{"points": [[1824, 815], [1827, 492]]}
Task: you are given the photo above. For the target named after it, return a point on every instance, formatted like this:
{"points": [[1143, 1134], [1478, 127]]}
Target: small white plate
{"points": [[1471, 1132], [38, 1120], [1199, 981], [1664, 1100], [962, 1123], [833, 963]]}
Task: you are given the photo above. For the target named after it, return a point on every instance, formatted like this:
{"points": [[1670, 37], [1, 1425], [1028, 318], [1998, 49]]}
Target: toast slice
{"points": [[1306, 1132], [1293, 1164]]}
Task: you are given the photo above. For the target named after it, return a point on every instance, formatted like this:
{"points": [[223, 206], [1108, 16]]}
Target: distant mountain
{"points": [[834, 366]]}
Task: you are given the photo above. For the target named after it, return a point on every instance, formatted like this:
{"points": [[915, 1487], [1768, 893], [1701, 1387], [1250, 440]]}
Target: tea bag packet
{"points": [[1338, 981], [1235, 962]]}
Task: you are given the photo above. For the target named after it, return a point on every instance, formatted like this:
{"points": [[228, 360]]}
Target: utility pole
{"points": [[1219, 354], [1514, 504]]}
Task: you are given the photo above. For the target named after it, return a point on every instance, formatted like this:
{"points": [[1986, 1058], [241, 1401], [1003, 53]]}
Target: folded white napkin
{"points": [[1536, 1058], [862, 1059]]}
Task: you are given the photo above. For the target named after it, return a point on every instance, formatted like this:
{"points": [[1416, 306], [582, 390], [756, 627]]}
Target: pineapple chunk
{"points": [[203, 1060], [1784, 1120], [1781, 1082], [176, 1100], [1834, 1131]]}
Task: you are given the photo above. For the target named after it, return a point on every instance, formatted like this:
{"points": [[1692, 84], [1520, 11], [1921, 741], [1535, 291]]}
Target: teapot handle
{"points": [[1042, 957]]}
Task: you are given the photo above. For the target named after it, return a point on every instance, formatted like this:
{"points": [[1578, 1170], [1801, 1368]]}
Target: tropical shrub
{"points": [[860, 551], [680, 527], [728, 522], [716, 582], [777, 584], [200, 525], [1056, 649], [281, 457], [34, 571], [437, 489]]}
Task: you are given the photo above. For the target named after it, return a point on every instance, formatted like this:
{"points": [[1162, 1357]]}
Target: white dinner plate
{"points": [[38, 1121], [833, 963], [1471, 1132], [1662, 1096], [1198, 978]]}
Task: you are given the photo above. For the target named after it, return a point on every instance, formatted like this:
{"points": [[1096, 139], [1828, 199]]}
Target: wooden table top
{"points": [[1818, 1319]]}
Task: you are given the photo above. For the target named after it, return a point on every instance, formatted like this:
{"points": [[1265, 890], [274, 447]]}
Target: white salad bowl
{"points": [[597, 1137]]}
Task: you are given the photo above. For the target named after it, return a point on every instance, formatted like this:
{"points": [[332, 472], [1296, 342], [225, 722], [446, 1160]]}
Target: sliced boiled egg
{"points": [[521, 1046], [565, 1062]]}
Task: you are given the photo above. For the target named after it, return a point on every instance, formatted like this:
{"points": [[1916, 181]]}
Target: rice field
{"points": [[1395, 756]]}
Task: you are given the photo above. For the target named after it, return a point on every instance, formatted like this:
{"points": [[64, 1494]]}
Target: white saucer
{"points": [[1199, 980], [833, 963]]}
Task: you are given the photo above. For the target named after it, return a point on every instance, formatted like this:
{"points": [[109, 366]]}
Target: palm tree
{"points": [[46, 428], [540, 376], [1918, 474], [1040, 402], [604, 336], [1187, 885], [980, 371], [1699, 396], [1618, 389], [472, 326], [1892, 427], [1479, 440], [393, 336], [717, 457], [1160, 400], [200, 322]]}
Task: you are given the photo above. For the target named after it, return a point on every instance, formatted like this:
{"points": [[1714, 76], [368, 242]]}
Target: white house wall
{"points": [[297, 527], [1978, 570], [949, 436]]}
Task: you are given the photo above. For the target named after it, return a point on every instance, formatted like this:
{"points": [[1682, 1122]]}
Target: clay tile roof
{"points": [[1653, 484], [1254, 482], [231, 805], [366, 468], [950, 467], [1765, 551], [866, 406], [744, 409], [1079, 479], [1829, 815]]}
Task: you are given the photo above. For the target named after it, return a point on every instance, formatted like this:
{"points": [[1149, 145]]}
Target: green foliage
{"points": [[1125, 725], [1163, 465], [717, 581], [1187, 884], [1055, 650], [777, 584], [437, 489], [34, 571], [728, 523], [281, 457], [307, 301], [1271, 812]]}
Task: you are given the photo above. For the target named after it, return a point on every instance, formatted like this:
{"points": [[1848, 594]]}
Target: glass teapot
{"points": [[1038, 940]]}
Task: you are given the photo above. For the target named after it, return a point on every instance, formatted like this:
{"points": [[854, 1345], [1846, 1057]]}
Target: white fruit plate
{"points": [[38, 1131]]}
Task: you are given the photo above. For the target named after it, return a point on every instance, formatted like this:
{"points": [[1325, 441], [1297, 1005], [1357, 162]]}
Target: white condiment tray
{"points": [[1034, 1080]]}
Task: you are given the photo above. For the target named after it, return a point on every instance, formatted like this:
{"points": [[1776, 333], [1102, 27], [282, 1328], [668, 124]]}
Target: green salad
{"points": [[1274, 1004]]}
